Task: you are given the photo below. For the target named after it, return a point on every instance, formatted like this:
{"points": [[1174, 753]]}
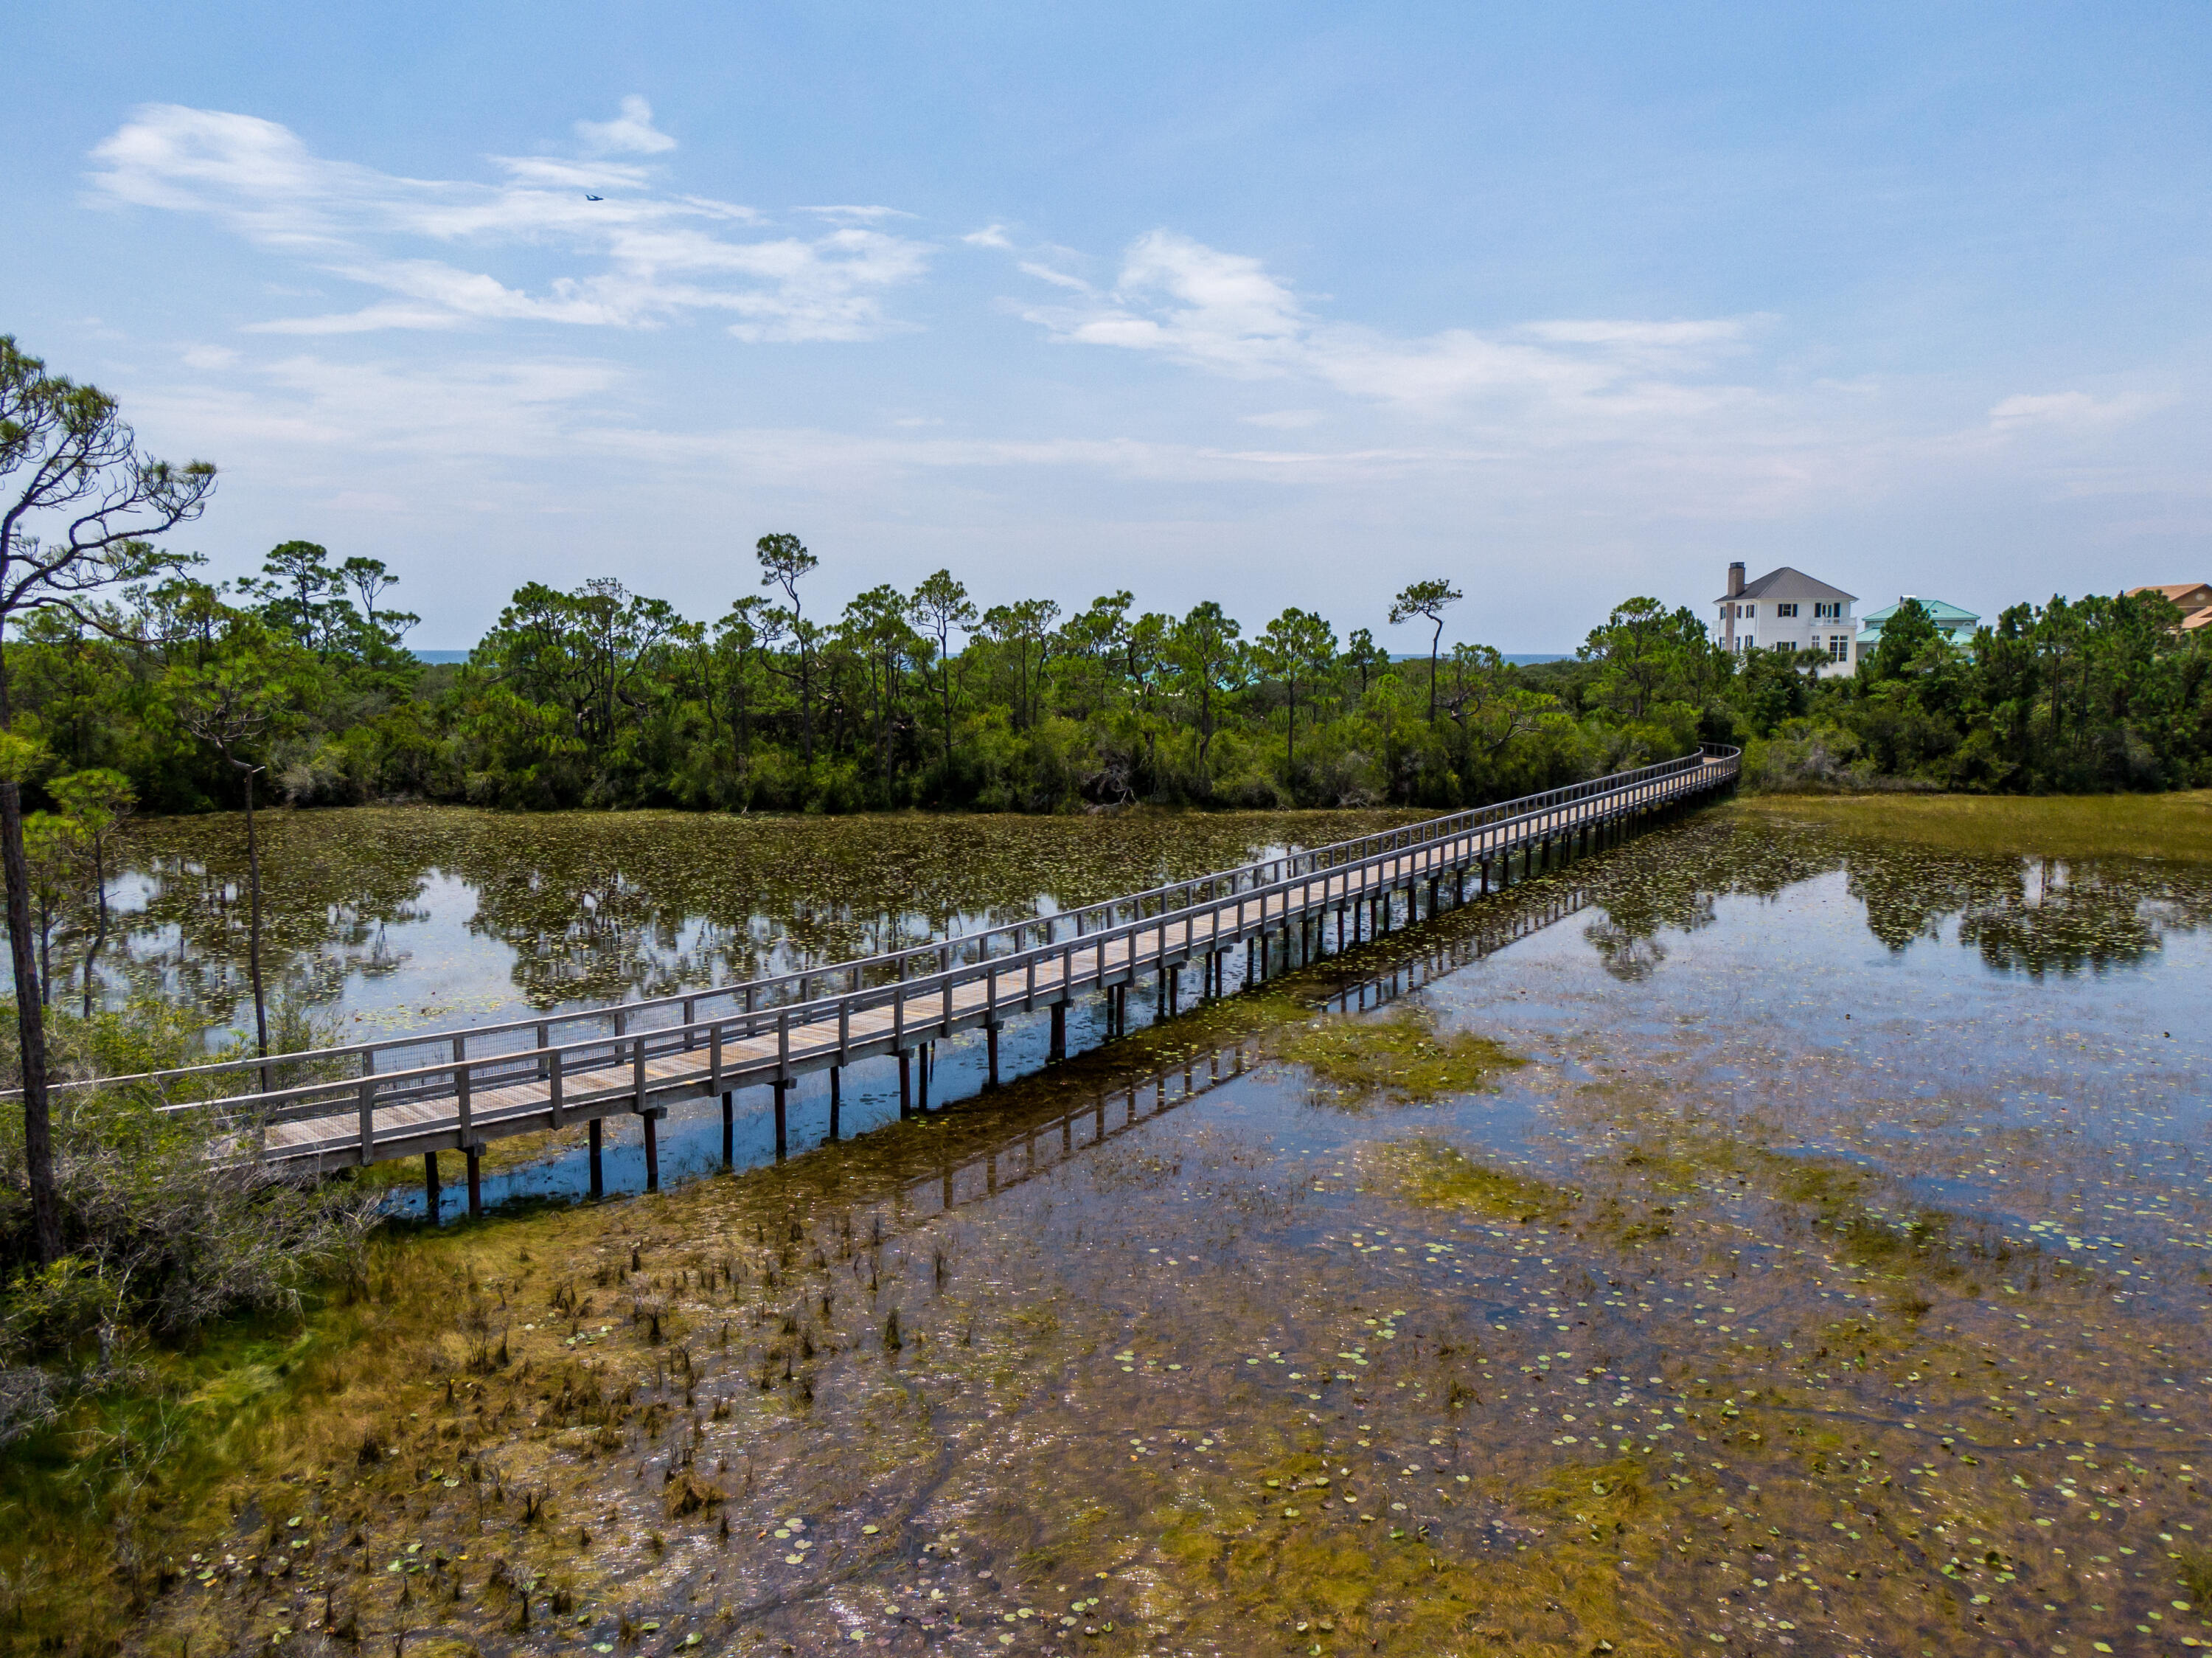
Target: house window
{"points": [[1750, 610], [1750, 643], [1840, 646], [1785, 610], [1827, 611]]}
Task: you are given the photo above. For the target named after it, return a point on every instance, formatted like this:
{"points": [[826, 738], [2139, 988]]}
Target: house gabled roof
{"points": [[2180, 592], [1942, 614], [1791, 583]]}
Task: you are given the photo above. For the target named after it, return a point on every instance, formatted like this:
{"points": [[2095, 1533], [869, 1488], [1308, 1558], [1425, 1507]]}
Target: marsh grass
{"points": [[1402, 1057], [1438, 1176], [2176, 827]]}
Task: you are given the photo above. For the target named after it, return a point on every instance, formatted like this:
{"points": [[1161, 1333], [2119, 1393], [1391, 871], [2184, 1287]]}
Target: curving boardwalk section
{"points": [[454, 1090]]}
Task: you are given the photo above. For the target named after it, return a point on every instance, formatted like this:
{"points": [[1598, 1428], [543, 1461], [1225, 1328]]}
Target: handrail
{"points": [[1287, 871]]}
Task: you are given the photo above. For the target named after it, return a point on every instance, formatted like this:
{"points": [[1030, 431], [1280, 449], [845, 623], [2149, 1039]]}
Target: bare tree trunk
{"points": [[253, 934], [99, 935], [30, 1012], [30, 1023]]}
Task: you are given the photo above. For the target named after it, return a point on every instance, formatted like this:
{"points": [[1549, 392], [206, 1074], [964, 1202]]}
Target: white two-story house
{"points": [[1786, 609]]}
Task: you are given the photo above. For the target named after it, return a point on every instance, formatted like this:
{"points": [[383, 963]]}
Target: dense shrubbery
{"points": [[2082, 696], [159, 1236]]}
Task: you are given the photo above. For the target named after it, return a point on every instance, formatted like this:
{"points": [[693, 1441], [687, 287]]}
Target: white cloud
{"points": [[2062, 408], [1228, 314], [653, 258], [1285, 420], [1058, 278], [991, 235], [859, 215], [631, 133]]}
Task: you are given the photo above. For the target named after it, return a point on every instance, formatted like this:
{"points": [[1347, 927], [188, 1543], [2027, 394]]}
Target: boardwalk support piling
{"points": [[652, 1149], [430, 1185], [1059, 1048], [598, 1172], [836, 1096], [729, 1129], [906, 1082], [782, 1088], [476, 1179]]}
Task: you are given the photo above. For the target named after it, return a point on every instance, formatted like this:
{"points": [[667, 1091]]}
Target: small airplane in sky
{"points": [[594, 198]]}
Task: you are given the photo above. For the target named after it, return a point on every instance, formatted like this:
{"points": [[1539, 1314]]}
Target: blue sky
{"points": [[1275, 305]]}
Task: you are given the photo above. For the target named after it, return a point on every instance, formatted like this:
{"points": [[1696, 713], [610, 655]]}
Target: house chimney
{"points": [[1735, 578]]}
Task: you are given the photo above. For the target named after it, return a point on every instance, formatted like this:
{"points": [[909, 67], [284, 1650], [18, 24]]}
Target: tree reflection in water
{"points": [[2022, 915]]}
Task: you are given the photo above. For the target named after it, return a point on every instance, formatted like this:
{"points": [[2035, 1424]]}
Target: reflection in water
{"points": [[402, 917], [2023, 915], [395, 916]]}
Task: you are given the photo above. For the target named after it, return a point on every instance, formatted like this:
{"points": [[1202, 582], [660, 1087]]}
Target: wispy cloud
{"points": [[1229, 314], [2063, 409], [653, 258], [631, 133]]}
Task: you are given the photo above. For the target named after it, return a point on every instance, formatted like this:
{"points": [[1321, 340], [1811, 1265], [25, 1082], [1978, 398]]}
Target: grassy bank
{"points": [[2171, 826]]}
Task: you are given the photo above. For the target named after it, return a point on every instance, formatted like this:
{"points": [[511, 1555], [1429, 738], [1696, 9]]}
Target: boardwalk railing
{"points": [[423, 1092]]}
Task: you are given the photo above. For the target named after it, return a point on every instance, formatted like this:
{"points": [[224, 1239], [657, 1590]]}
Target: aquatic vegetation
{"points": [[1440, 1177], [1402, 1057], [2162, 827]]}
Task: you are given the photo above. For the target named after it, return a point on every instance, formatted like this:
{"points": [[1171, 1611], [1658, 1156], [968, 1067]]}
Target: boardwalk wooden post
{"points": [[1058, 1049], [430, 1185], [906, 1082], [555, 1102], [836, 1096], [990, 1023], [782, 1088], [368, 1109], [652, 1120], [599, 1172], [476, 1179], [729, 1130], [461, 1096]]}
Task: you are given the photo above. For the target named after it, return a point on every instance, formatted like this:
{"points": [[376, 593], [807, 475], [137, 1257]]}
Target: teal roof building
{"points": [[1955, 624]]}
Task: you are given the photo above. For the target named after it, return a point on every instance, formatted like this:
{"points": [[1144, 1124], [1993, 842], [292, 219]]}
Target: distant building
{"points": [[1786, 609], [1953, 624], [2195, 599]]}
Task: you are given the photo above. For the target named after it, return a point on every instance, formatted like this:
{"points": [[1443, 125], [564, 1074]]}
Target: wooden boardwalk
{"points": [[419, 1094]]}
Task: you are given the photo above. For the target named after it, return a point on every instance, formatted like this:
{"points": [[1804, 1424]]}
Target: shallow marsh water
{"points": [[1829, 1277], [385, 918]]}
